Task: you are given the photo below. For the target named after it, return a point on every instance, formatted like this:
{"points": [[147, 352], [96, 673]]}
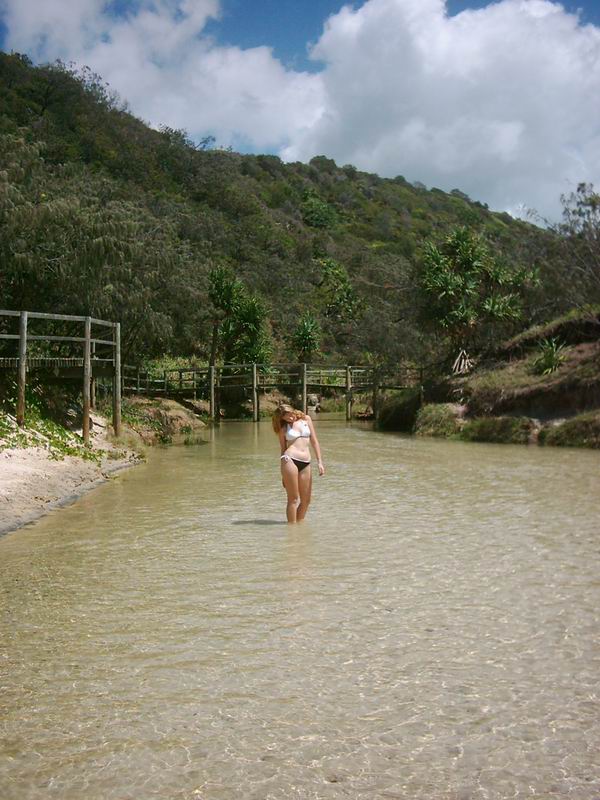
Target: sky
{"points": [[498, 99]]}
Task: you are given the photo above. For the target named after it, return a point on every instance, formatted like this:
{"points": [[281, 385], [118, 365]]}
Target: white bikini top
{"points": [[292, 434]]}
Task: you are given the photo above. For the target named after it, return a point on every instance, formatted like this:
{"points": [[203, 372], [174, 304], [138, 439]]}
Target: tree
{"points": [[306, 338], [240, 331], [468, 294], [580, 242], [337, 293]]}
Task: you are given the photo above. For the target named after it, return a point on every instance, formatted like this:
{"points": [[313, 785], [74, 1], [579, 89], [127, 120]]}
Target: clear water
{"points": [[430, 632]]}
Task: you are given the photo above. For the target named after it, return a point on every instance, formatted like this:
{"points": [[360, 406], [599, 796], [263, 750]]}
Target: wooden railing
{"points": [[91, 363], [210, 382], [101, 357]]}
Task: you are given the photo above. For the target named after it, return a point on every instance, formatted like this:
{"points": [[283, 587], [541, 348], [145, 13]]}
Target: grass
{"points": [[500, 389], [578, 325], [437, 419], [41, 432], [580, 431], [501, 430]]}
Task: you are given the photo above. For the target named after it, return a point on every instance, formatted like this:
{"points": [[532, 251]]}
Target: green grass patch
{"points": [[501, 430], [437, 419], [580, 431], [42, 432], [577, 325]]}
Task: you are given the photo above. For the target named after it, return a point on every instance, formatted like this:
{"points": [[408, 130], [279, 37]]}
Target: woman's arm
{"points": [[316, 446], [282, 441]]}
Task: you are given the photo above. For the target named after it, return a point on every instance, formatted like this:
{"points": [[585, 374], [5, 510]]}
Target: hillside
{"points": [[543, 385], [102, 215]]}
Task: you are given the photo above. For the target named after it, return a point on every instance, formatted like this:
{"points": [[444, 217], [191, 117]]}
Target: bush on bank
{"points": [[580, 431], [501, 430], [438, 419], [399, 413]]}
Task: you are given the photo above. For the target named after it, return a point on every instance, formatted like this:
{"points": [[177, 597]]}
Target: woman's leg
{"points": [[305, 489], [289, 473]]}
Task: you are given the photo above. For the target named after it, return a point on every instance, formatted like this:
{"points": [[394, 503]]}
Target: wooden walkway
{"points": [[99, 356], [251, 381]]}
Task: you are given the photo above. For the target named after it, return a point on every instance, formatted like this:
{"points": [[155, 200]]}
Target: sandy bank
{"points": [[32, 482]]}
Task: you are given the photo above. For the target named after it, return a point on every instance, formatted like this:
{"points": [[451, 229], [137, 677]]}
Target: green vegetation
{"points": [[307, 337], [206, 255], [101, 215], [469, 294], [500, 430], [582, 430], [438, 419], [399, 413], [45, 433], [551, 356]]}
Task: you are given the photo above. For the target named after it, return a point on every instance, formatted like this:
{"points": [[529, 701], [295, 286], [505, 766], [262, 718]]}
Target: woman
{"points": [[296, 433]]}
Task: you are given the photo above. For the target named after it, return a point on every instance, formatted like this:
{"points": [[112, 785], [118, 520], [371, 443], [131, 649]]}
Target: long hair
{"points": [[284, 408]]}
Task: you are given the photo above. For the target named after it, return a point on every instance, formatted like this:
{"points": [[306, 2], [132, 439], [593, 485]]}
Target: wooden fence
{"points": [[252, 380], [100, 357]]}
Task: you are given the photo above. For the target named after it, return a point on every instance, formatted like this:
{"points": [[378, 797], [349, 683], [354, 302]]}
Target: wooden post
{"points": [[254, 394], [22, 379], [138, 384], [375, 403], [87, 374], [93, 379], [257, 395], [165, 383], [211, 392], [304, 388], [116, 416], [348, 394]]}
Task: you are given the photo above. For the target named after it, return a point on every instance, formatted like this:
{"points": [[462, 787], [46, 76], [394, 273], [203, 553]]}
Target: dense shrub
{"points": [[580, 431], [399, 413], [502, 430], [438, 419]]}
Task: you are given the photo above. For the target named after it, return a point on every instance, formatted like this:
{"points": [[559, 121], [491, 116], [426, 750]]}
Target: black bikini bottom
{"points": [[301, 464]]}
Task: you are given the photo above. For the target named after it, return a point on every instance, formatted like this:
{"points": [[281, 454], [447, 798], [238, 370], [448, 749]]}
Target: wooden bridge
{"points": [[100, 358], [250, 381]]}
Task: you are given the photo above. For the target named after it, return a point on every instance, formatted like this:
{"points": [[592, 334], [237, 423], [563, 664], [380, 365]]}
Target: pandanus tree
{"points": [[306, 338], [468, 294], [239, 330]]}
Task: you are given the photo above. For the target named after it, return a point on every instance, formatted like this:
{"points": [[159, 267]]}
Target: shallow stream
{"points": [[431, 632]]}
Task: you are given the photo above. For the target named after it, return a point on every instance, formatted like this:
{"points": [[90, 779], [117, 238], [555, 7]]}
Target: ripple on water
{"points": [[430, 633]]}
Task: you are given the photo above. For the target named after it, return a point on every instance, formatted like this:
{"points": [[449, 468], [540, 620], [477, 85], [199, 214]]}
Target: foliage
{"points": [[582, 430], [437, 419], [101, 215], [240, 332], [551, 356], [316, 212], [339, 297], [399, 412], [468, 293], [580, 242], [499, 430], [306, 338], [577, 325]]}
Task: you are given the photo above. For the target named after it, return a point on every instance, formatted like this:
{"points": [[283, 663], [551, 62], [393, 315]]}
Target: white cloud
{"points": [[159, 60], [499, 102]]}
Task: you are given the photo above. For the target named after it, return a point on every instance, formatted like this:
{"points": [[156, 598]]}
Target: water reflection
{"points": [[430, 631]]}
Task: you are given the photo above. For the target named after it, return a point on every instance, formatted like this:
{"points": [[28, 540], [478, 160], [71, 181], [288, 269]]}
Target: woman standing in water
{"points": [[296, 433]]}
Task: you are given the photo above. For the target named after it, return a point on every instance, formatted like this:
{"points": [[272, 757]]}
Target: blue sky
{"points": [[288, 25], [501, 103]]}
